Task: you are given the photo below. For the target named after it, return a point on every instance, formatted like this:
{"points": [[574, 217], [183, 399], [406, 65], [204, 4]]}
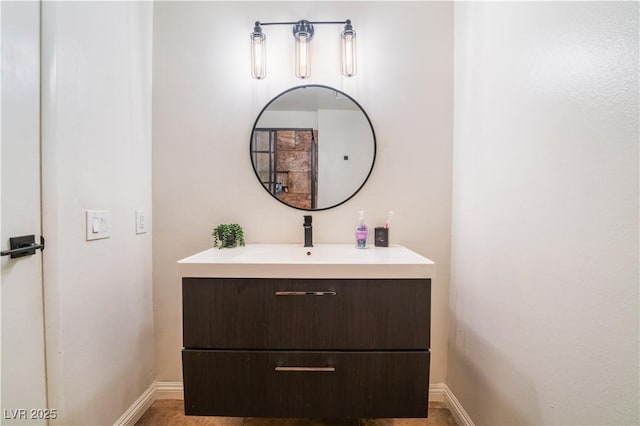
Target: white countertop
{"points": [[296, 261]]}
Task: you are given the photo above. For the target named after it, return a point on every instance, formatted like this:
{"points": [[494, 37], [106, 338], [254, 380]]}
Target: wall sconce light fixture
{"points": [[303, 34]]}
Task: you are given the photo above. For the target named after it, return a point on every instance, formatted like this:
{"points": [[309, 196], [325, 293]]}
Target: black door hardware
{"points": [[23, 246]]}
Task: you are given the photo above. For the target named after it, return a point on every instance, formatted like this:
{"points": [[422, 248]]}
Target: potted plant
{"points": [[228, 235]]}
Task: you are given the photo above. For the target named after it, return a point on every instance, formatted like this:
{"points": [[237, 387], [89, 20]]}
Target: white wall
{"points": [[96, 138], [340, 133], [544, 293], [295, 119], [204, 106]]}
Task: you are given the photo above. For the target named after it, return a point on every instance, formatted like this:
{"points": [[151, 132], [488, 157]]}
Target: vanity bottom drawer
{"points": [[305, 384]]}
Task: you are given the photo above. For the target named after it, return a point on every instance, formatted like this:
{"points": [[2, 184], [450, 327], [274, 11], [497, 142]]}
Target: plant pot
{"points": [[230, 241]]}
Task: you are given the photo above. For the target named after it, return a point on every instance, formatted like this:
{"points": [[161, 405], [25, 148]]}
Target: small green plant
{"points": [[228, 235]]}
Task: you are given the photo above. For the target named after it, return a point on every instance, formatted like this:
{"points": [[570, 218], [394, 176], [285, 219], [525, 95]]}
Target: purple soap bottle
{"points": [[362, 232]]}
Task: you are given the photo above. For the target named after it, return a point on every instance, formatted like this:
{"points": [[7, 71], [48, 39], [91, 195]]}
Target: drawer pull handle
{"points": [[324, 369], [305, 293]]}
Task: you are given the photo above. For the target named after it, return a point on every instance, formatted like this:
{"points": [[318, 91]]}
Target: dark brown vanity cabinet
{"points": [[328, 348]]}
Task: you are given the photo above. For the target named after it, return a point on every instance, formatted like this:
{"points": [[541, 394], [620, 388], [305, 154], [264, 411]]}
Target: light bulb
{"points": [[258, 48], [348, 45], [303, 67]]}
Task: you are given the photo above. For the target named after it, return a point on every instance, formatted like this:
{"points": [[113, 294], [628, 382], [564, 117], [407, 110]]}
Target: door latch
{"points": [[24, 245]]}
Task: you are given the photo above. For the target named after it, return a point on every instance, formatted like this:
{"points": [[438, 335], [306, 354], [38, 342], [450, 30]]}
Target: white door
{"points": [[23, 354]]}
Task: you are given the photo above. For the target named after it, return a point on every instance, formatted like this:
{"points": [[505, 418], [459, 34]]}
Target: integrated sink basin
{"points": [[296, 261], [296, 254]]}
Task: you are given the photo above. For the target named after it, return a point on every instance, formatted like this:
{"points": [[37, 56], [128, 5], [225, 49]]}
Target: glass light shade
{"points": [[348, 45], [303, 66], [258, 47]]}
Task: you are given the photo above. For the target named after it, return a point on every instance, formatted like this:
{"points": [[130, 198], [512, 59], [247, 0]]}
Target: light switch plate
{"points": [[142, 222], [98, 224]]}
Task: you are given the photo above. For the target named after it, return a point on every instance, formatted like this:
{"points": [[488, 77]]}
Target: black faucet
{"points": [[308, 237]]}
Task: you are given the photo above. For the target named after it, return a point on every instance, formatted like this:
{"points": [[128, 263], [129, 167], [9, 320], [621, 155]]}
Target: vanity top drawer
{"points": [[330, 314]]}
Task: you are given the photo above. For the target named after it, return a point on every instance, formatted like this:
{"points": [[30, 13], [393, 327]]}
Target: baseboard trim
{"points": [[138, 408], [169, 390], [442, 393], [438, 392]]}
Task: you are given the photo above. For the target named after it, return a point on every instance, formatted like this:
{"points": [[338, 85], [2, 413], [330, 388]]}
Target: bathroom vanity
{"points": [[287, 331]]}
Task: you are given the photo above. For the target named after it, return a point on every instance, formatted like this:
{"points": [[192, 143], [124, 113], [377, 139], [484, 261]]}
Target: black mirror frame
{"points": [[373, 133]]}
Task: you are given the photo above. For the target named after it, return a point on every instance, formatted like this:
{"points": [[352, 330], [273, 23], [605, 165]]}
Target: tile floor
{"points": [[171, 412]]}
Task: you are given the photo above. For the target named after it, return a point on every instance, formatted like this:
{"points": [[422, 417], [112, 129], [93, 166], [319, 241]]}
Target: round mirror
{"points": [[313, 147]]}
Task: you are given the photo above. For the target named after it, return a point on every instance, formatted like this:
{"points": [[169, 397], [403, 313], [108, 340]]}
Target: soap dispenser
{"points": [[362, 232]]}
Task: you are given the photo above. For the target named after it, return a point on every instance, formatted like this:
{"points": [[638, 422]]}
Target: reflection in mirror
{"points": [[313, 147]]}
